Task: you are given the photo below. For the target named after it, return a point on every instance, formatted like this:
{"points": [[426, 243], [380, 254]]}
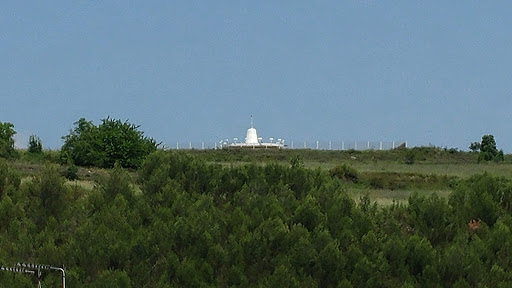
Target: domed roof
{"points": [[251, 136]]}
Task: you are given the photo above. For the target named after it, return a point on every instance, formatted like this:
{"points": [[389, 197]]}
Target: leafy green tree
{"points": [[52, 193], [479, 197], [7, 140], [9, 179], [112, 278], [123, 142], [474, 146], [35, 145], [309, 214], [82, 146], [282, 277], [488, 150], [112, 141]]}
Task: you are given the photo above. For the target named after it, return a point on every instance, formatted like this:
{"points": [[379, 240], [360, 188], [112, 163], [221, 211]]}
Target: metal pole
{"points": [[24, 266], [63, 275]]}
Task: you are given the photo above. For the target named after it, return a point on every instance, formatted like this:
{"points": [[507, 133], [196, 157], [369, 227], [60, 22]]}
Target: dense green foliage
{"points": [[182, 222], [7, 133], [35, 145], [345, 173], [488, 150], [104, 145], [475, 146]]}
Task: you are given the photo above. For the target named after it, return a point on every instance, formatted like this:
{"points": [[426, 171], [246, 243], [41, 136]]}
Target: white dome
{"points": [[251, 136]]}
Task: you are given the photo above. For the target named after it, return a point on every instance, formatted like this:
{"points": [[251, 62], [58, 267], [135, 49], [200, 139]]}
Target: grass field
{"points": [[427, 161], [385, 197], [463, 171]]}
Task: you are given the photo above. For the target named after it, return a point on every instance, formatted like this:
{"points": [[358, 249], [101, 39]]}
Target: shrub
{"points": [[34, 145], [409, 157], [377, 182], [345, 173], [70, 172]]}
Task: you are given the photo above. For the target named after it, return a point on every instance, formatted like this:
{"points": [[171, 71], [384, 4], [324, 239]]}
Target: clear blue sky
{"points": [[437, 72]]}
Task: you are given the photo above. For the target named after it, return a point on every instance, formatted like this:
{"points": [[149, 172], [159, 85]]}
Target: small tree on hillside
{"points": [[34, 145], [474, 146], [488, 150], [7, 140]]}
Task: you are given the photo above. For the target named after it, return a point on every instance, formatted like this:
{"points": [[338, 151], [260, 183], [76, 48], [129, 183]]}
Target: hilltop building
{"points": [[252, 141]]}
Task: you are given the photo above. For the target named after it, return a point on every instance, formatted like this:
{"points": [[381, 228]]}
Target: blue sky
{"points": [[426, 72]]}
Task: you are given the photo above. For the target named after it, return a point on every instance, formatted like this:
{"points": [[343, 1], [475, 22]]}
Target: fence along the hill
{"points": [[315, 145]]}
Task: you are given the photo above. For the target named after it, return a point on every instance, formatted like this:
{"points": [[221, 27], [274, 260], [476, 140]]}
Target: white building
{"points": [[252, 141]]}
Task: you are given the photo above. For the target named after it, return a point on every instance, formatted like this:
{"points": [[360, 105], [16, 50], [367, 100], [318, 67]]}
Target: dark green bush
{"points": [[70, 172], [410, 155], [378, 182], [345, 173]]}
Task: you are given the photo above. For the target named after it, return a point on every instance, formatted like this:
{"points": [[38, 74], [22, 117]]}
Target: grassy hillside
{"points": [[386, 176], [390, 175]]}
